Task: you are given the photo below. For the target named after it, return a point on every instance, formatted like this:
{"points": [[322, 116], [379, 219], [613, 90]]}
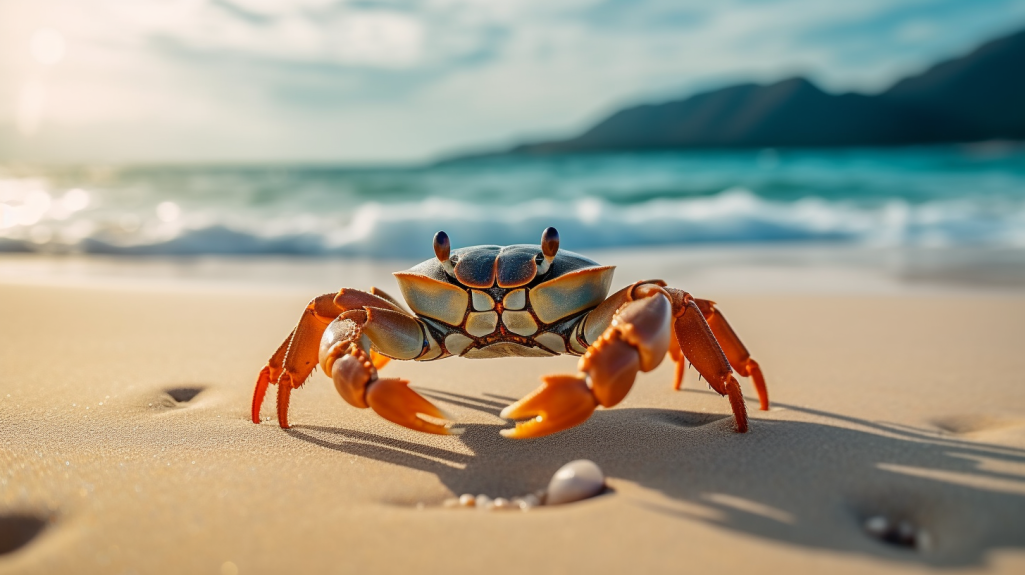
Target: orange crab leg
{"points": [[269, 374], [301, 355], [740, 359], [699, 346], [297, 357], [677, 354]]}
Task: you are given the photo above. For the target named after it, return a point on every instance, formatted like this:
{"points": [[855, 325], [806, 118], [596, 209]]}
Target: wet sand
{"points": [[126, 448]]}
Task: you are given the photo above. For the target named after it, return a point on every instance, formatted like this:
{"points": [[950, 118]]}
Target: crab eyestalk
{"points": [[443, 250], [549, 247]]}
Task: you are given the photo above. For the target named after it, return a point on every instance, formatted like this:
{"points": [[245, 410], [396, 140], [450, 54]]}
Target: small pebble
{"points": [[501, 503], [531, 501], [575, 481], [483, 502], [467, 500]]}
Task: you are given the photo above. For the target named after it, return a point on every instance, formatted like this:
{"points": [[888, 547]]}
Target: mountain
{"points": [[980, 96]]}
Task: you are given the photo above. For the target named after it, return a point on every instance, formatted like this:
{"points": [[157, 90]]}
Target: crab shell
{"points": [[491, 301]]}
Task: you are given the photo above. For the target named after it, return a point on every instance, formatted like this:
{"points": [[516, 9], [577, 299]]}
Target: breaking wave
{"points": [[622, 201]]}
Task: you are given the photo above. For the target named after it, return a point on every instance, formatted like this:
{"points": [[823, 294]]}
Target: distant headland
{"points": [[976, 97]]}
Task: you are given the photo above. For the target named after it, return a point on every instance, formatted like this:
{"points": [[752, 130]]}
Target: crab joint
{"points": [[351, 373]]}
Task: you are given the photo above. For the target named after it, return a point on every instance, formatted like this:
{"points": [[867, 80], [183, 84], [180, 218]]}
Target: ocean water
{"points": [[917, 197]]}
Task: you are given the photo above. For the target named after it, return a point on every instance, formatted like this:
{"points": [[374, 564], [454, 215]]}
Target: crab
{"points": [[520, 300]]}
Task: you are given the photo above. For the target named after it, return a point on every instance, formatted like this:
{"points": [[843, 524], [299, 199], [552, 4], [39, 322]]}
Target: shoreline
{"points": [[735, 269]]}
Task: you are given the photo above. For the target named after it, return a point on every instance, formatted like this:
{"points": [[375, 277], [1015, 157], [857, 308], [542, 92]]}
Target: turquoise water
{"points": [[952, 196]]}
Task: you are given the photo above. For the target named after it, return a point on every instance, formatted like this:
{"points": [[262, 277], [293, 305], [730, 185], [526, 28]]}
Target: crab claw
{"points": [[393, 400], [561, 402]]}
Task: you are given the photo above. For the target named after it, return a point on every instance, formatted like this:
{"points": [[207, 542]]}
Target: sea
{"points": [[935, 197]]}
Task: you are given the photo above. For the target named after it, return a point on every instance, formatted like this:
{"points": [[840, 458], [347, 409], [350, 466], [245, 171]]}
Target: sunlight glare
{"points": [[168, 211], [47, 46], [75, 199]]}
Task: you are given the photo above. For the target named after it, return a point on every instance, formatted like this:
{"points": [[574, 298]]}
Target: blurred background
{"points": [[359, 128]]}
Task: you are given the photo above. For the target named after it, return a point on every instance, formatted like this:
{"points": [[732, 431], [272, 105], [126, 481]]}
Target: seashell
{"points": [[574, 481], [531, 500], [501, 503], [483, 502], [467, 500]]}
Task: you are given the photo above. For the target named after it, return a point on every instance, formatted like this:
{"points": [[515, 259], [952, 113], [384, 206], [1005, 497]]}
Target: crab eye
{"points": [[443, 250], [549, 247], [442, 246]]}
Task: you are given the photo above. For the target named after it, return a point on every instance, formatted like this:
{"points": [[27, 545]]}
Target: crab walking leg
{"points": [[636, 340], [740, 359], [345, 354], [268, 374], [296, 358], [291, 368], [677, 354], [699, 346]]}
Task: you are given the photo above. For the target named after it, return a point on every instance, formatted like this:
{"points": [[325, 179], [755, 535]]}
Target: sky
{"points": [[116, 81]]}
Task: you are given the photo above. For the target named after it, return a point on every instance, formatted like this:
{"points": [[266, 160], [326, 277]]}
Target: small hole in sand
{"points": [[184, 394], [16, 531], [899, 533]]}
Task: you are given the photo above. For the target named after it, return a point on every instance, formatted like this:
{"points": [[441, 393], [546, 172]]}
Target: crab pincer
{"points": [[636, 340], [345, 354], [562, 401]]}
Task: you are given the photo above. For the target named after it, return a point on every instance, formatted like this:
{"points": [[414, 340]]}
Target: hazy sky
{"points": [[358, 81]]}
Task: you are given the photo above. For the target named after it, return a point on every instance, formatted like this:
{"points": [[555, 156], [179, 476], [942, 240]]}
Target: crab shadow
{"points": [[803, 483]]}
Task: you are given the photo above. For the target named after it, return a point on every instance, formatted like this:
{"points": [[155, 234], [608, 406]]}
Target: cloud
{"points": [[382, 80]]}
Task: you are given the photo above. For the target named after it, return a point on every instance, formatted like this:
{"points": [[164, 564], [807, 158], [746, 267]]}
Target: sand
{"points": [[125, 445]]}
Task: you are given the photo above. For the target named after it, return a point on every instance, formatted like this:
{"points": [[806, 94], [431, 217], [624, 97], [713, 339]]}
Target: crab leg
{"points": [[268, 374], [677, 354], [636, 340], [740, 359], [699, 346], [296, 358], [293, 363]]}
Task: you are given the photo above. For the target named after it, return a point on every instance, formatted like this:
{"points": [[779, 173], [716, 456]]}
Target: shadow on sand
{"points": [[803, 483]]}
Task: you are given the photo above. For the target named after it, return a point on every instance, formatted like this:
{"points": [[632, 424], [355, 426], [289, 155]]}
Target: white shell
{"points": [[574, 481]]}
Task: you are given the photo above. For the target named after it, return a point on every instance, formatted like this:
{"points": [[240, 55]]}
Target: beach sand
{"points": [[907, 404]]}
